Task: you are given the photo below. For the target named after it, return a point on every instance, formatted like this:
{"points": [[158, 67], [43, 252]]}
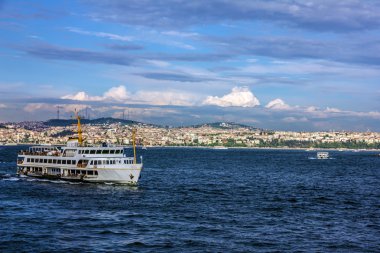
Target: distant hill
{"points": [[107, 121], [100, 121], [225, 125]]}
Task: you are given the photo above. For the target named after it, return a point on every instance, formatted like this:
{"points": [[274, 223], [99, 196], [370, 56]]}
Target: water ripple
{"points": [[191, 200]]}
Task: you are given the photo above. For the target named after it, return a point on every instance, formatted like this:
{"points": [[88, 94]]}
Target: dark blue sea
{"points": [[201, 200]]}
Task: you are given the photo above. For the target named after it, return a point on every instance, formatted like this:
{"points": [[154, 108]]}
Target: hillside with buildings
{"points": [[117, 131]]}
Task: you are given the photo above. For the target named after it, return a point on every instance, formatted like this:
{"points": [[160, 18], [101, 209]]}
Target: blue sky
{"points": [[283, 65]]}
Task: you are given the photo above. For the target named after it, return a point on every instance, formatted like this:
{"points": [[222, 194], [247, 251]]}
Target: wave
{"points": [[315, 158], [11, 179]]}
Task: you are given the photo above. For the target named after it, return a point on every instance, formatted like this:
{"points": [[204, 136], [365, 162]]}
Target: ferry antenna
{"points": [[134, 144], [58, 107]]}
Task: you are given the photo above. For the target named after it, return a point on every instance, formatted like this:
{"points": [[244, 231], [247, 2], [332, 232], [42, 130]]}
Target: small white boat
{"points": [[220, 147], [323, 155]]}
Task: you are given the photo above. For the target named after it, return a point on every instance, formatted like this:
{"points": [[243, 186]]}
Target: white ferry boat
{"points": [[76, 162], [323, 155]]}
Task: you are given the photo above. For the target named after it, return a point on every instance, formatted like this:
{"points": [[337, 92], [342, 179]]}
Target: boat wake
{"points": [[314, 158], [9, 177]]}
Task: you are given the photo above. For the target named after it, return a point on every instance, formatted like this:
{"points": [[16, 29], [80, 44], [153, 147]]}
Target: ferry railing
{"points": [[23, 152]]}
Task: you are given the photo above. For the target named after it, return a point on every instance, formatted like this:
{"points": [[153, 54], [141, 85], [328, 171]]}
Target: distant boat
{"points": [[220, 147], [310, 149], [144, 148], [323, 155]]}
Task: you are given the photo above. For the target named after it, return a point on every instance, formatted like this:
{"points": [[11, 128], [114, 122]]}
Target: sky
{"points": [[281, 65]]}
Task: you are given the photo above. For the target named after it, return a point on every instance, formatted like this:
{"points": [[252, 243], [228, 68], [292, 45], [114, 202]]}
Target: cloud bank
{"points": [[321, 15], [277, 104], [239, 96]]}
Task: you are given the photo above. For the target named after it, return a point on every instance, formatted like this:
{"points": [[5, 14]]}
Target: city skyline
{"points": [[281, 65]]}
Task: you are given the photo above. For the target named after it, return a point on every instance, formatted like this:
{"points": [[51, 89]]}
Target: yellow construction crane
{"points": [[80, 138]]}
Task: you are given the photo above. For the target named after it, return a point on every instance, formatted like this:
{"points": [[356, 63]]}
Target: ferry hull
{"points": [[118, 176]]}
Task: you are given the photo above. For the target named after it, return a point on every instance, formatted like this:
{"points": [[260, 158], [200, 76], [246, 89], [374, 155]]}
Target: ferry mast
{"points": [[80, 138]]}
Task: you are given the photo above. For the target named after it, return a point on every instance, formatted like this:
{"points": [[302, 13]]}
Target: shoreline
{"points": [[222, 147], [274, 148]]}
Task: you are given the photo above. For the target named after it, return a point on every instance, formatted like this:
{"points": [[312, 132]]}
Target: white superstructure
{"points": [[75, 162], [323, 155]]}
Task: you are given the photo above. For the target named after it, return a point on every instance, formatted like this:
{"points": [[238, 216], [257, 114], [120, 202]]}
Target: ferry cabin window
{"points": [[50, 161], [108, 162], [92, 151], [90, 172], [95, 162], [117, 151], [96, 172], [112, 151], [28, 160], [98, 151], [106, 151], [63, 161], [54, 161], [59, 161], [45, 160], [87, 151]]}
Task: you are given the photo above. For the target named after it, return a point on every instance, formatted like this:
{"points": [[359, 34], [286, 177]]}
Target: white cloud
{"points": [[38, 106], [180, 34], [332, 110], [3, 106], [100, 34], [69, 108], [165, 98], [82, 96], [239, 96], [119, 94], [317, 112], [157, 63], [277, 104], [294, 119], [144, 113]]}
